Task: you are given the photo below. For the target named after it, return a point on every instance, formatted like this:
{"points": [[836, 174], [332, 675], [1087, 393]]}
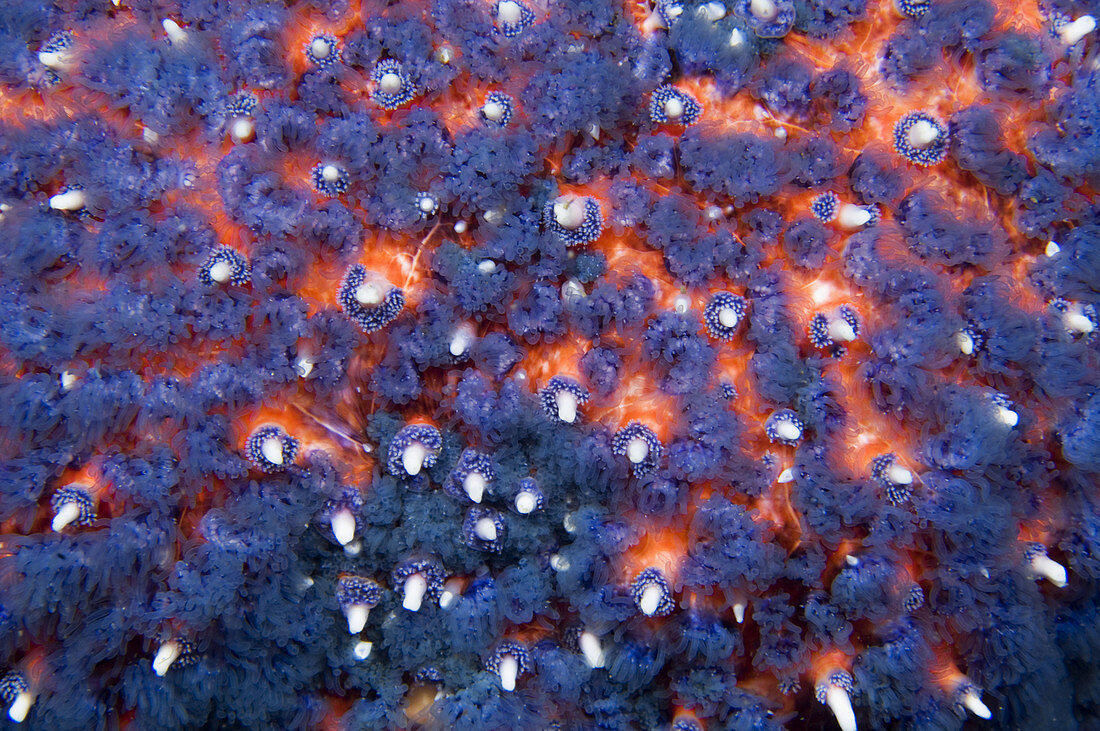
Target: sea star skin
{"points": [[586, 363]]}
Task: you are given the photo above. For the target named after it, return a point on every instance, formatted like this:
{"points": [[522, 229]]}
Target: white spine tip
{"points": [[303, 367], [840, 331], [509, 12], [343, 526], [727, 317], [221, 271], [785, 476], [330, 173], [922, 134], [591, 649], [899, 475], [460, 341], [637, 450], [788, 431], [460, 227], [650, 600], [368, 294], [973, 703], [357, 618], [526, 503], [242, 130], [566, 404], [1046, 567], [681, 304], [486, 266], [56, 60], [1008, 417], [272, 450], [70, 200], [763, 9], [172, 29], [1073, 32], [362, 650], [167, 654], [965, 343], [320, 48], [713, 11], [674, 108], [841, 705], [21, 706], [390, 83], [486, 529], [1077, 321], [416, 586], [851, 216], [67, 513], [736, 38], [569, 212], [474, 485], [493, 111], [1052, 248], [508, 672], [68, 380], [412, 458], [739, 612]]}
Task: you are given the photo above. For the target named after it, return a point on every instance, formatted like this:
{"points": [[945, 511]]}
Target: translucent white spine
{"points": [[474, 486], [1045, 567], [461, 339], [973, 703], [764, 9], [1074, 31], [566, 403], [272, 450], [841, 705], [356, 615], [176, 34], [851, 216], [591, 649], [412, 458], [788, 430], [637, 450], [508, 672], [167, 654], [486, 529], [21, 706], [416, 586], [569, 212], [650, 600], [343, 526], [526, 502], [67, 513], [70, 200], [922, 134]]}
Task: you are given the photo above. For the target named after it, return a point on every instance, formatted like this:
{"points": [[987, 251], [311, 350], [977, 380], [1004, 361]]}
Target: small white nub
{"points": [[272, 450], [320, 48], [1078, 29], [840, 331], [56, 60], [362, 650], [486, 266], [739, 612], [841, 705], [390, 83], [526, 502], [460, 341], [221, 271], [67, 513], [167, 654], [445, 55], [591, 649], [412, 458], [567, 405], [416, 586], [727, 317], [330, 173], [713, 11], [964, 342], [788, 430], [650, 599], [785, 476], [70, 200], [569, 212], [493, 111], [343, 526], [593, 130], [674, 107], [450, 593], [357, 617], [21, 706], [509, 12], [1076, 321], [242, 130], [1008, 417], [922, 134], [173, 30], [508, 671], [486, 529], [851, 560], [559, 562], [474, 485], [303, 367], [460, 227], [68, 380], [637, 450], [973, 702], [681, 304], [572, 291], [368, 293], [852, 216], [899, 475], [1052, 248], [764, 9], [736, 38], [1049, 569]]}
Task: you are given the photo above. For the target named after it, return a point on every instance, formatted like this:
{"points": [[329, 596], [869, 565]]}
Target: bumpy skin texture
{"points": [[867, 481]]}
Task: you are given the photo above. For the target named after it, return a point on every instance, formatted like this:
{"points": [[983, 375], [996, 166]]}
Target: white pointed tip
{"points": [[637, 450], [569, 212], [785, 476], [899, 475], [1077, 321], [509, 12], [727, 317], [474, 486], [343, 526], [526, 502], [70, 200], [221, 271], [368, 294], [1008, 417], [172, 29], [840, 331], [650, 600], [390, 83], [493, 111], [21, 706], [242, 130], [68, 380], [973, 703], [652, 22], [486, 529], [713, 11], [67, 513], [362, 650], [922, 134], [412, 459], [763, 9], [272, 450], [591, 649], [167, 654], [460, 341], [56, 60], [593, 130], [851, 216], [674, 108], [851, 560], [841, 705], [320, 48], [566, 403], [739, 612], [508, 672], [1052, 248], [1072, 32], [965, 343], [330, 173], [788, 431], [1049, 569], [357, 618], [416, 586]]}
